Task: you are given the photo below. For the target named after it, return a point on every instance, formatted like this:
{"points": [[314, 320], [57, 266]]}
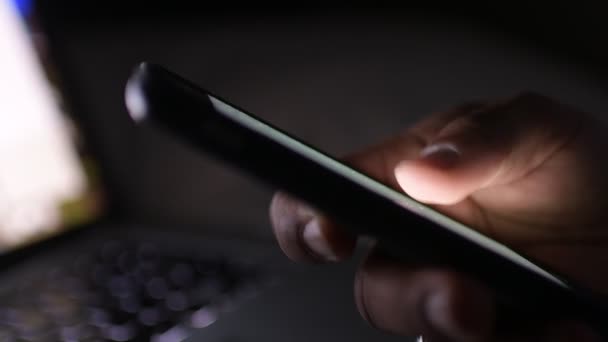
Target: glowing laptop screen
{"points": [[45, 180]]}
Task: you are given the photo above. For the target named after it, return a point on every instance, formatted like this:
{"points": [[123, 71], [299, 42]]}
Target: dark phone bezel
{"points": [[184, 110]]}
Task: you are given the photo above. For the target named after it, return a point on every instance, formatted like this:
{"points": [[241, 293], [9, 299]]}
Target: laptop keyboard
{"points": [[126, 291]]}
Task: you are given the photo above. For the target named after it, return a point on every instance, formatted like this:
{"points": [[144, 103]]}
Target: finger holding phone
{"points": [[527, 171]]}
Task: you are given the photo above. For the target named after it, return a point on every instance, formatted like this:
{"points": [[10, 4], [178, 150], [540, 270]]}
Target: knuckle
{"points": [[283, 211], [288, 217], [277, 211]]}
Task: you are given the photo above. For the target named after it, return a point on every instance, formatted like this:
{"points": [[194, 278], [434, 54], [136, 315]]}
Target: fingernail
{"points": [[442, 154], [438, 315], [316, 242]]}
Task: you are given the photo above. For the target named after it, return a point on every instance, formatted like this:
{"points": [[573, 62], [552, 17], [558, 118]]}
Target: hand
{"points": [[527, 171]]}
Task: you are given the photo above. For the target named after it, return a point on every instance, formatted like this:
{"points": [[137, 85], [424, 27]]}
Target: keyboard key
{"points": [[121, 332], [131, 304], [61, 308], [99, 317], [31, 325], [152, 316], [208, 267], [177, 301], [121, 286], [157, 288], [100, 273], [126, 261], [78, 332], [182, 275]]}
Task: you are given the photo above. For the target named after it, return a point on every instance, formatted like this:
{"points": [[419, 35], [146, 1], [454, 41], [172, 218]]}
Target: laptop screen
{"points": [[47, 182]]}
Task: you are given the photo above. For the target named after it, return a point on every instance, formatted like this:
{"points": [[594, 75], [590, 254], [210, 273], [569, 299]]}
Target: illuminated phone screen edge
{"points": [[377, 187]]}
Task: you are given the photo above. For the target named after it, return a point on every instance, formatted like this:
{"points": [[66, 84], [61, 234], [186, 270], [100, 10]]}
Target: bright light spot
{"points": [[135, 101], [40, 168]]}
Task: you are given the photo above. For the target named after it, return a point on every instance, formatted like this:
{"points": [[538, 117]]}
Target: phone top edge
{"points": [[135, 99]]}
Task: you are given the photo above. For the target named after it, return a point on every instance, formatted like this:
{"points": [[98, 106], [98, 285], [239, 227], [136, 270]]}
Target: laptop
{"points": [[73, 269], [76, 268]]}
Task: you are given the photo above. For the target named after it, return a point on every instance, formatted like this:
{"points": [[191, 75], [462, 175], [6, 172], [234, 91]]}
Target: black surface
{"points": [[575, 32]]}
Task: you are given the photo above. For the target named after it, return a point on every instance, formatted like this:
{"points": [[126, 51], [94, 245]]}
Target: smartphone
{"points": [[402, 227]]}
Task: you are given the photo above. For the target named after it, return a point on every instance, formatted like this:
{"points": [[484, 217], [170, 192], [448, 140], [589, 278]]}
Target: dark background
{"points": [[338, 77]]}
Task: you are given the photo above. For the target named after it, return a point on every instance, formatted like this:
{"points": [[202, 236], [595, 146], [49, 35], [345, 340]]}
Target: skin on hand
{"points": [[527, 171]]}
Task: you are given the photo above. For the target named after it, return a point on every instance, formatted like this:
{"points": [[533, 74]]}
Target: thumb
{"points": [[494, 147], [447, 171]]}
